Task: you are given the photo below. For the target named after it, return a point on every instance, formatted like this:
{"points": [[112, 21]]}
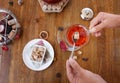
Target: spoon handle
{"points": [[71, 56]]}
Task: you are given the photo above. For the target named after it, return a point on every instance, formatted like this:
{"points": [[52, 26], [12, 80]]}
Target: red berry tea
{"points": [[83, 35]]}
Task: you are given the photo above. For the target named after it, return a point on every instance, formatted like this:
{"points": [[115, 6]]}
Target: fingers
{"points": [[97, 34], [97, 24], [100, 26], [74, 65], [69, 70], [96, 20], [96, 30]]}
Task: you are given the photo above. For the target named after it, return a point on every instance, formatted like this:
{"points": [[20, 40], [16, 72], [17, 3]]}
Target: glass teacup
{"points": [[65, 37]]}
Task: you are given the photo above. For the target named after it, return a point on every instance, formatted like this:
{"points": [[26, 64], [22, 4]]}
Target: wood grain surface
{"points": [[103, 53]]}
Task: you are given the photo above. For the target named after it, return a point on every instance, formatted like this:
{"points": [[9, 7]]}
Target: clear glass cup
{"points": [[65, 37]]}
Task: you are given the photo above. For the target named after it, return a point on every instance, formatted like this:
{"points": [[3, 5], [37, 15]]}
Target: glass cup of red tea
{"points": [[83, 36]]}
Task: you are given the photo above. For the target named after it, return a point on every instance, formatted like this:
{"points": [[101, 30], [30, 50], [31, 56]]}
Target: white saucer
{"points": [[27, 53]]}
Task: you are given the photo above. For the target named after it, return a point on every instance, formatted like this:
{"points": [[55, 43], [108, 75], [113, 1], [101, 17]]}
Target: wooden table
{"points": [[103, 53]]}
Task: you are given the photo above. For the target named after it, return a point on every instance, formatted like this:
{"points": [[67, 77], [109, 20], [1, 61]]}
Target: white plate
{"points": [[27, 53]]}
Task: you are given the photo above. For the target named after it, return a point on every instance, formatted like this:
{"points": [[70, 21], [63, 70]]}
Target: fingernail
{"points": [[98, 34], [70, 59], [92, 30]]}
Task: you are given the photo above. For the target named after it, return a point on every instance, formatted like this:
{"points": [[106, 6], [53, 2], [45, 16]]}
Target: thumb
{"points": [[75, 66]]}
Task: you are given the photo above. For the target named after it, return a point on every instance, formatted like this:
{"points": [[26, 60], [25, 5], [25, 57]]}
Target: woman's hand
{"points": [[104, 20], [77, 74]]}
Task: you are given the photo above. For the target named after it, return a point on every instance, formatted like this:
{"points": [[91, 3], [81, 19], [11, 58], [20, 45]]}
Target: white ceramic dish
{"points": [[27, 54]]}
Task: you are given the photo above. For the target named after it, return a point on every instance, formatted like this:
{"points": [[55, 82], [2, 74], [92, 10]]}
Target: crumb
{"points": [[75, 57], [79, 52], [10, 3], [60, 28], [85, 59], [58, 75]]}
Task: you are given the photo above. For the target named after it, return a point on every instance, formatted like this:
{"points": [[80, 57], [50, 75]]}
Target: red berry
{"points": [[5, 48], [4, 14], [17, 37], [63, 45], [40, 43]]}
